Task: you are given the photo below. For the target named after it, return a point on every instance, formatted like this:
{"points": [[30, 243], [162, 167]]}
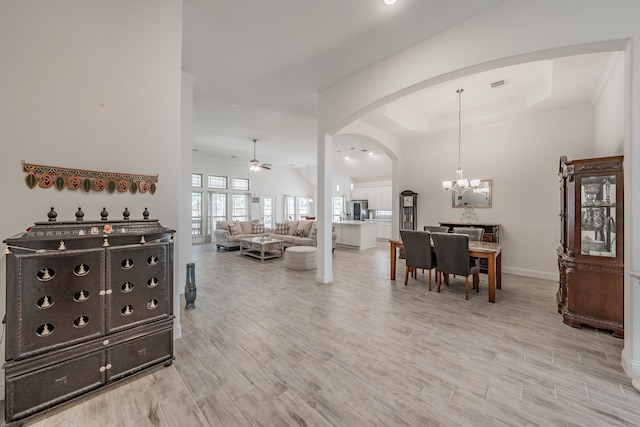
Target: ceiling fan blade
{"points": [[265, 166]]}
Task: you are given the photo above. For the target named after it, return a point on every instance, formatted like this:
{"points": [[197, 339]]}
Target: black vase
{"points": [[190, 287]]}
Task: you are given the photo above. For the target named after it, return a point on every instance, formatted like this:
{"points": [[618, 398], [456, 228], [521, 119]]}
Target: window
{"points": [[303, 207], [338, 208], [217, 208], [239, 207], [240, 184], [289, 207], [196, 180], [217, 182], [196, 213], [267, 211], [379, 214]]}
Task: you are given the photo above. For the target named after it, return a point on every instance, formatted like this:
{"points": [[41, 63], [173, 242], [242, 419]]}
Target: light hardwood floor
{"points": [[267, 346]]}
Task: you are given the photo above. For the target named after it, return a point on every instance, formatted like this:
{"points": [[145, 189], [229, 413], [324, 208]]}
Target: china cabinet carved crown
{"points": [[590, 258], [88, 304]]}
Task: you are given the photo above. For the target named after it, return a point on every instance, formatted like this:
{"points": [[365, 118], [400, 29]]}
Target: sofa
{"points": [[294, 233], [300, 233], [229, 233]]}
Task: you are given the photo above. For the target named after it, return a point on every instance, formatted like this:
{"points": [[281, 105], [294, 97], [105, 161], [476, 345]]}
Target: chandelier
{"points": [[461, 184]]}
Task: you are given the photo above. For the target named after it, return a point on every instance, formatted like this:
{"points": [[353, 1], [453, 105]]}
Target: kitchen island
{"points": [[359, 234]]}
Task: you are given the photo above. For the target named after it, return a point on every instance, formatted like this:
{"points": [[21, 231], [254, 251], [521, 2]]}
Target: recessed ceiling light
{"points": [[389, 2], [234, 105], [346, 158], [370, 153]]}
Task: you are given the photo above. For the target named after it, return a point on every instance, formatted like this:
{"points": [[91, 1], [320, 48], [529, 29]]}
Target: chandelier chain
{"points": [[459, 124]]}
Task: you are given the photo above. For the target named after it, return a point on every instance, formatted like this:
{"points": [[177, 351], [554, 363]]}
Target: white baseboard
{"points": [[631, 367], [532, 273]]}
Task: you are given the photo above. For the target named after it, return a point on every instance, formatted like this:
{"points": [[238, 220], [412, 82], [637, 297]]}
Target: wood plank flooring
{"points": [[267, 346]]}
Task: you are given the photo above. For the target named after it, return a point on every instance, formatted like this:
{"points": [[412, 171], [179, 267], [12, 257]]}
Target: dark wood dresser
{"points": [[88, 304], [491, 231]]}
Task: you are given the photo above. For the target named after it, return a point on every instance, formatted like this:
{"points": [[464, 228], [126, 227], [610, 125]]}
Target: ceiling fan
{"points": [[255, 165]]}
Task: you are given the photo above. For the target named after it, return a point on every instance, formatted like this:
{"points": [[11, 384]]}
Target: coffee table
{"points": [[262, 247]]}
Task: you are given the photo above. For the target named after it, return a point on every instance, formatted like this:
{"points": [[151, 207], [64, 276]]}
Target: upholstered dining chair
{"points": [[452, 255], [475, 234], [436, 228], [417, 252]]}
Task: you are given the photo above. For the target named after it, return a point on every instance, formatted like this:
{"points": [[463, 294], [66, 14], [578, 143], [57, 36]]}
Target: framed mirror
{"points": [[474, 197]]}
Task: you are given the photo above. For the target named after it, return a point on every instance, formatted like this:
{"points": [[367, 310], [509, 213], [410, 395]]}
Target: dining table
{"points": [[490, 251]]}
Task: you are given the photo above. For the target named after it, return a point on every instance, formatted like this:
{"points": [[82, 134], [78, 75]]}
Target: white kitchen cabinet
{"points": [[384, 230], [386, 200], [359, 194]]}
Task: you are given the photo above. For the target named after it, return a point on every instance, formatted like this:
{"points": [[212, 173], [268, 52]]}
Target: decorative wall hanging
{"points": [[73, 179]]}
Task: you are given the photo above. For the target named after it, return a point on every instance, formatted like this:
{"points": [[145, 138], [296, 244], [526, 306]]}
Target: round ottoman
{"points": [[300, 257]]}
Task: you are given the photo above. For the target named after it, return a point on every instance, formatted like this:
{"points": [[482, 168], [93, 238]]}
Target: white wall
{"points": [[521, 157], [609, 110], [60, 62], [183, 242]]}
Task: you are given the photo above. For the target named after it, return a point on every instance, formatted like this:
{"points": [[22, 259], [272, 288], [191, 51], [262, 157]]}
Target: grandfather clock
{"points": [[408, 210]]}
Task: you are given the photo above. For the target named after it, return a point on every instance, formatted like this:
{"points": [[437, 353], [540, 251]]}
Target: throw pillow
{"points": [[305, 227], [314, 232], [257, 228], [293, 226], [234, 229], [222, 225], [299, 233], [247, 226], [281, 228]]}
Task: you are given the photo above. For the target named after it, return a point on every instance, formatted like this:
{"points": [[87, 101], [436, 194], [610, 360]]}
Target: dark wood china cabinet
{"points": [[590, 256]]}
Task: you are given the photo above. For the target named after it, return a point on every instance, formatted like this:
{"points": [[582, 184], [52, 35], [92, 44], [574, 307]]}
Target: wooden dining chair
{"points": [[417, 252], [452, 255]]}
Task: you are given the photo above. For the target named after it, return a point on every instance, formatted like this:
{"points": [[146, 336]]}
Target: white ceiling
{"points": [[258, 66]]}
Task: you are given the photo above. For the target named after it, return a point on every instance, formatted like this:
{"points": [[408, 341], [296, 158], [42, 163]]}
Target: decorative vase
{"points": [[52, 215], [190, 287]]}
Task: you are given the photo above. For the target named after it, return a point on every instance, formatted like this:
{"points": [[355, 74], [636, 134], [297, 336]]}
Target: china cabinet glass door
{"points": [[597, 216]]}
